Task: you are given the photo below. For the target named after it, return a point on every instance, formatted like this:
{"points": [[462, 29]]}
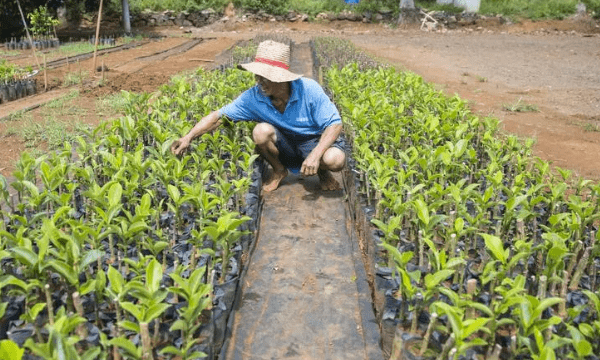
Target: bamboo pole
{"points": [[97, 35], [28, 35]]}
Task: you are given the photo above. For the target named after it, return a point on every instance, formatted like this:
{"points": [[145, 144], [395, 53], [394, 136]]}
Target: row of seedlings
{"points": [[113, 248], [488, 252], [14, 83]]}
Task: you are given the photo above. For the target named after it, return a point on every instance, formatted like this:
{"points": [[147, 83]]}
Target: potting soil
{"points": [[305, 294]]}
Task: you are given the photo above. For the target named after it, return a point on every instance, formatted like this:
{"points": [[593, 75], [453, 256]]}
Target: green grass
{"points": [[74, 78], [73, 49], [589, 127], [18, 116], [112, 104], [9, 52], [520, 106], [60, 102], [530, 9], [54, 132]]}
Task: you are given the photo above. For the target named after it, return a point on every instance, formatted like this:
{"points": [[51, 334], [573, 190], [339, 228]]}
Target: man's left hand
{"points": [[310, 165]]}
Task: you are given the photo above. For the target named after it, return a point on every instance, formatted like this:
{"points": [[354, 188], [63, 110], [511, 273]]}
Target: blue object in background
{"points": [[351, 1]]}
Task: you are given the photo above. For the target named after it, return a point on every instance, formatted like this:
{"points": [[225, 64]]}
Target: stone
{"points": [[378, 17], [230, 10], [187, 23], [208, 12], [304, 17]]}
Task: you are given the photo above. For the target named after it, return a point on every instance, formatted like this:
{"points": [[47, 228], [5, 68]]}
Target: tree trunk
{"points": [[408, 13], [126, 22]]}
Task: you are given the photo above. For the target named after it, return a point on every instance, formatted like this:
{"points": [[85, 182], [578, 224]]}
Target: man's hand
{"points": [[179, 146], [310, 166]]}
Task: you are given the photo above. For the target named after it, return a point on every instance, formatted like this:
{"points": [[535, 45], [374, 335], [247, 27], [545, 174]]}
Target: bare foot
{"points": [[273, 181], [328, 182]]}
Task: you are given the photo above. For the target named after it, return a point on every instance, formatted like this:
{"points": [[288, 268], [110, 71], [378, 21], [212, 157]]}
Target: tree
{"points": [[126, 23], [408, 13]]}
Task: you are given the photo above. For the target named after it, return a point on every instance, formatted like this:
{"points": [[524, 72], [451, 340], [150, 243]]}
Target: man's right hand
{"points": [[179, 146]]}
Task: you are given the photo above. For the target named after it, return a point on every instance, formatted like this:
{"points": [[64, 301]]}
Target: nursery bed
{"points": [[306, 293]]}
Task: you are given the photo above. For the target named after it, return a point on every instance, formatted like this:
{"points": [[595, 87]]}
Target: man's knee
{"points": [[263, 133], [334, 159]]}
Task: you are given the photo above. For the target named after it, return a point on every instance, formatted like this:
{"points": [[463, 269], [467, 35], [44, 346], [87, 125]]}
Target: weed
{"points": [[9, 52], [59, 103], [116, 103], [10, 131], [520, 106], [18, 116], [74, 78], [52, 131], [589, 127], [481, 78]]}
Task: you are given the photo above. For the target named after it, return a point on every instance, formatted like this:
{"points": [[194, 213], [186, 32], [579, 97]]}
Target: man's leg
{"points": [[334, 160], [265, 138]]}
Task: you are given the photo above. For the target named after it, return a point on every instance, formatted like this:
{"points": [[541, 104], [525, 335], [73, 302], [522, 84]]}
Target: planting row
{"points": [[484, 251], [114, 248]]}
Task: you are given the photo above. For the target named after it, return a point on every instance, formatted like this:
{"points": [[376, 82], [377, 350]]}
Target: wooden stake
{"points": [[103, 71], [29, 36], [97, 35], [45, 75]]}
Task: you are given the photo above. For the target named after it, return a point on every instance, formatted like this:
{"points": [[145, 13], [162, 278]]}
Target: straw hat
{"points": [[272, 62]]}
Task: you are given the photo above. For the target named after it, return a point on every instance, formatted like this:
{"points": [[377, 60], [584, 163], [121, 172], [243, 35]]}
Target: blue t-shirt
{"points": [[308, 111]]}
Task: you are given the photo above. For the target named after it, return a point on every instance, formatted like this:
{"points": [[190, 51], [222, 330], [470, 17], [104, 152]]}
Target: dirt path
{"points": [[554, 66]]}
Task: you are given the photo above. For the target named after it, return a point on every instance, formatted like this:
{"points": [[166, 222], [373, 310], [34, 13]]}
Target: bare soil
{"points": [[551, 65]]}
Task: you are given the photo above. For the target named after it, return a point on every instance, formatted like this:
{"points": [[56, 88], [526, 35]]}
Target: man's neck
{"points": [[281, 96]]}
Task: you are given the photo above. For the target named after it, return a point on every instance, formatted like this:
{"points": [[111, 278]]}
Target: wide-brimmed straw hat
{"points": [[272, 62]]}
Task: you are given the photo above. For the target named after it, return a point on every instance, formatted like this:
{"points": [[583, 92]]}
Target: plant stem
{"points": [[446, 348], [562, 312], [471, 287], [425, 343], [146, 342], [397, 345], [49, 304], [542, 283], [81, 329], [583, 263]]}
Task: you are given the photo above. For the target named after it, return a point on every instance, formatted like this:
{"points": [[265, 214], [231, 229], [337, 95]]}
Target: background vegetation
{"points": [[531, 9]]}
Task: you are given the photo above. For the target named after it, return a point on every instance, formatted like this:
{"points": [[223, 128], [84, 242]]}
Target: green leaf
{"points": [[133, 310], [544, 304], [126, 345], [422, 211], [174, 193], [92, 353], [153, 276], [10, 351], [172, 350], [114, 195], [155, 311], [90, 257], [65, 270], [433, 280], [459, 225], [472, 325], [583, 348], [116, 280], [130, 325], [494, 244], [25, 256]]}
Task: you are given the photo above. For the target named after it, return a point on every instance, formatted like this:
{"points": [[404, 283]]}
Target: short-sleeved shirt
{"points": [[308, 111]]}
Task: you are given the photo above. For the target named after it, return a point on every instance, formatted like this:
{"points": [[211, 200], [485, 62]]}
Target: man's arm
{"points": [[313, 160], [206, 124]]}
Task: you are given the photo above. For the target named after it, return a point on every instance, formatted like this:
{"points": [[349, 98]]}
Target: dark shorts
{"points": [[294, 149]]}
